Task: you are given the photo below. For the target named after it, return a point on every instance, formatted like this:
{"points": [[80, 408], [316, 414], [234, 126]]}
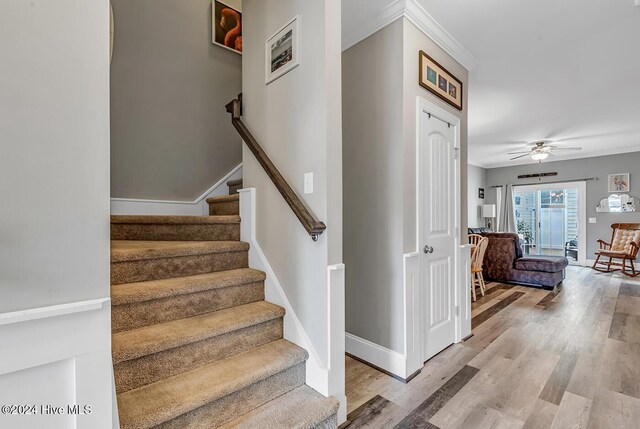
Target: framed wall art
{"points": [[226, 26], [619, 182], [282, 51], [437, 80]]}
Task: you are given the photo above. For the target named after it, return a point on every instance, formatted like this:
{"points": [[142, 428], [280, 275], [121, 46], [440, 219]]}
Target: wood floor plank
{"points": [[614, 410], [573, 412], [557, 383], [421, 415], [628, 305], [542, 416], [630, 289], [495, 309], [378, 412], [625, 327], [620, 369]]}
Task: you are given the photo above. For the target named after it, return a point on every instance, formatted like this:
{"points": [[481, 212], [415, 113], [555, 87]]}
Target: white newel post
{"points": [[336, 340]]}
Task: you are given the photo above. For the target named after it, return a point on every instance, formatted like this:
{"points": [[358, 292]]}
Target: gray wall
{"points": [[297, 120], [596, 190], [379, 104], [54, 168], [170, 135], [414, 41], [477, 178], [372, 150]]}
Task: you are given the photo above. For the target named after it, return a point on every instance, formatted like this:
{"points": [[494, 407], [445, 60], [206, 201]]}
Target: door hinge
{"points": [[456, 153], [456, 232], [457, 310]]}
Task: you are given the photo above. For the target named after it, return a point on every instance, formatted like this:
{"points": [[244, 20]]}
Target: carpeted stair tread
{"points": [[175, 220], [169, 398], [128, 293], [132, 250], [301, 408], [151, 339], [223, 198]]}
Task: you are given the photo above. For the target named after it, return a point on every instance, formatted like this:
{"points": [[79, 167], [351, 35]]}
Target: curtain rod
{"points": [[547, 183]]}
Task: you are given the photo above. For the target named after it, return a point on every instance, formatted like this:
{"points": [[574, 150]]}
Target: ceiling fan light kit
{"points": [[540, 151], [539, 156]]}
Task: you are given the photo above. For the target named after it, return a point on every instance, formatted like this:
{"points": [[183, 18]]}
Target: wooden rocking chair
{"points": [[624, 245]]}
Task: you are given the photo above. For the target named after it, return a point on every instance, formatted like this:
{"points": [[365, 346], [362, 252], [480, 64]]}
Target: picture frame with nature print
{"points": [[439, 81], [618, 182], [226, 26]]}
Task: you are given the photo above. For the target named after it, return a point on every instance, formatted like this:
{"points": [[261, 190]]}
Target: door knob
{"points": [[428, 249]]}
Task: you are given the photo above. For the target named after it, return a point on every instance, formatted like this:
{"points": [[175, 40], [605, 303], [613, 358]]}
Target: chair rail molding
{"points": [[375, 19]]}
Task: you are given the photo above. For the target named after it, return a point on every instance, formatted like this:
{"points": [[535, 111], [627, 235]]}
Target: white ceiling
{"points": [[548, 69]]}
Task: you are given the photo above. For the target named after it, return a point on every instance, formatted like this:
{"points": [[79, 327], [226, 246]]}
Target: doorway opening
{"points": [[549, 218]]}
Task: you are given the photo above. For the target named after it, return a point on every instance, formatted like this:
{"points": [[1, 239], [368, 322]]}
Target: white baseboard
{"points": [[325, 377], [382, 357], [59, 356], [198, 207]]}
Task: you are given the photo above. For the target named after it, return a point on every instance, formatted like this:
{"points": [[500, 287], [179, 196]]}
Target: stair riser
{"points": [[224, 208], [130, 316], [176, 232], [163, 268], [235, 188], [148, 369], [238, 403]]}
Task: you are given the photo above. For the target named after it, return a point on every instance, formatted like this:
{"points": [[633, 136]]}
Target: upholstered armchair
{"points": [[621, 251]]}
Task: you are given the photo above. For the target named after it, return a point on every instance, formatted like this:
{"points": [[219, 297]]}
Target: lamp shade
{"points": [[488, 210]]}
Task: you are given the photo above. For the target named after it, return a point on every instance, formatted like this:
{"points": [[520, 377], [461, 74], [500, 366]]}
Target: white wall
{"points": [[477, 178], [54, 183], [297, 119]]}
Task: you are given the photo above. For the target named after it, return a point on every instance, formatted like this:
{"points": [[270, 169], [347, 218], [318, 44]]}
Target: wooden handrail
{"points": [[313, 226]]}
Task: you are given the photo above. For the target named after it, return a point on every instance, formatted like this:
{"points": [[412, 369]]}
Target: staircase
{"points": [[195, 345]]}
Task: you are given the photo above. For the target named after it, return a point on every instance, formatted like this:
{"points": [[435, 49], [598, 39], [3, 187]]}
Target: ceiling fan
{"points": [[540, 151]]}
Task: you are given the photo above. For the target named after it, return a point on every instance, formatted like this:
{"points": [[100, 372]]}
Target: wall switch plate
{"points": [[592, 220], [308, 183]]}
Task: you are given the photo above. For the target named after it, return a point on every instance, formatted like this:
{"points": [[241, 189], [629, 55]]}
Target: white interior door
{"points": [[437, 194]]}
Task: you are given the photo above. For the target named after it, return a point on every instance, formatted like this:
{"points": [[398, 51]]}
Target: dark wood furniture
{"points": [[313, 226], [621, 251]]}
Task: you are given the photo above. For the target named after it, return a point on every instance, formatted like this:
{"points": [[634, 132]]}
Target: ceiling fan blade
{"points": [[521, 156], [567, 148]]}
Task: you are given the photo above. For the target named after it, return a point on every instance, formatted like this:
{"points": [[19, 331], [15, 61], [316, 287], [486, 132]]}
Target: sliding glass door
{"points": [[548, 220]]}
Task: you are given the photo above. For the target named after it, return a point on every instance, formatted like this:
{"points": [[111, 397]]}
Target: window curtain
{"points": [[507, 215]]}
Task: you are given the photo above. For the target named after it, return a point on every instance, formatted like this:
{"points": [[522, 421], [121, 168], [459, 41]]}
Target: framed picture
{"points": [[619, 182], [282, 51], [481, 193], [436, 79], [226, 26]]}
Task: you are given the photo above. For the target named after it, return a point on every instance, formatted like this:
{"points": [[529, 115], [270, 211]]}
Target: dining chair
{"points": [[477, 258], [474, 239]]}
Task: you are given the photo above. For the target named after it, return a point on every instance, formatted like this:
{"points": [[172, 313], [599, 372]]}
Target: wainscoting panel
{"points": [[56, 361]]}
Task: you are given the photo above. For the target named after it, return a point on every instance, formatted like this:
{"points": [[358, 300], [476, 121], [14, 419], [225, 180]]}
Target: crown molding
{"points": [[419, 17]]}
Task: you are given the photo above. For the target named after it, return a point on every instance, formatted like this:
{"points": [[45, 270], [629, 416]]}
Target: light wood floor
{"points": [[537, 359]]}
